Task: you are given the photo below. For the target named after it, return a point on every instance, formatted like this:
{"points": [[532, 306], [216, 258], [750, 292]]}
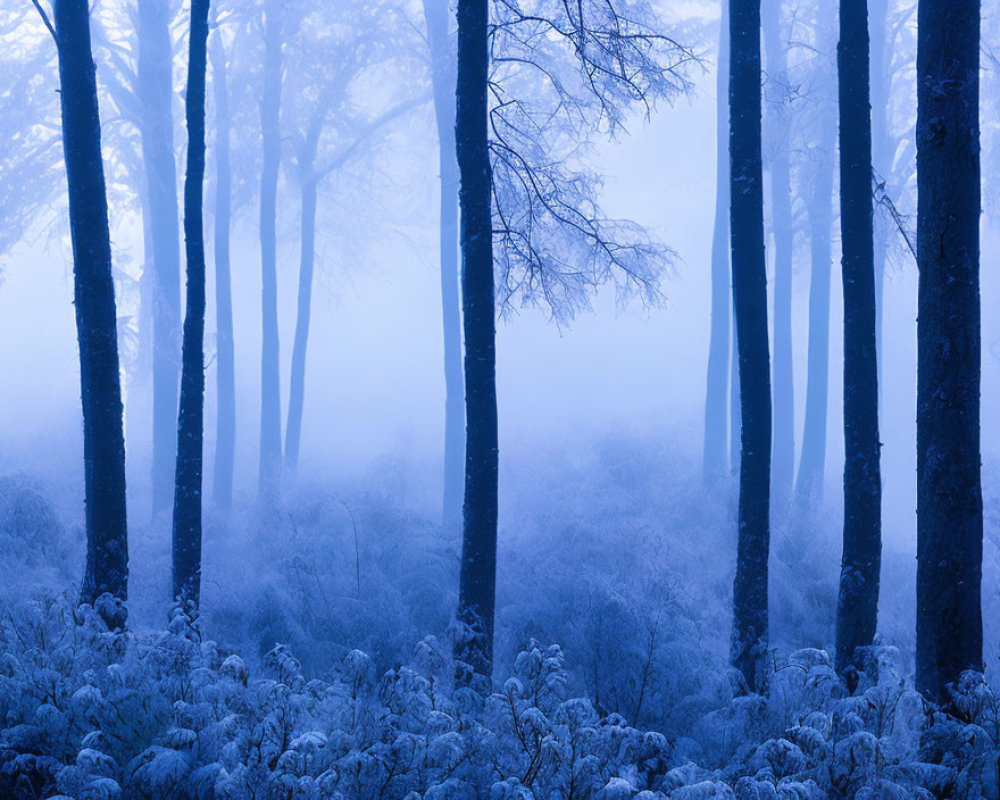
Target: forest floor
{"points": [[321, 667]]}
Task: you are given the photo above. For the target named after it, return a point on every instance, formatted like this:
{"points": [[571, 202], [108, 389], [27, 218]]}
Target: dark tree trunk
{"points": [[949, 491], [270, 382], [783, 466], [477, 587], [296, 398], [857, 606], [443, 78], [749, 647], [225, 437], [809, 483], [190, 426], [156, 91], [96, 323], [716, 399]]}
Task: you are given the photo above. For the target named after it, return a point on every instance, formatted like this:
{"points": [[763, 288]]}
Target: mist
{"points": [[360, 557]]}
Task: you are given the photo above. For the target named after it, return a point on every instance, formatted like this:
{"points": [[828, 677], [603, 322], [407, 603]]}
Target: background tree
{"points": [[819, 214], [717, 391], [225, 434], [552, 77], [32, 154], [269, 476], [949, 492], [94, 295], [778, 141], [442, 53], [327, 71], [857, 606], [893, 141], [155, 92], [190, 426], [750, 626]]}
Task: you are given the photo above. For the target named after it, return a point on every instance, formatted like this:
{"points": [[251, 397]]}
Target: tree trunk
{"points": [[190, 425], [783, 466], [949, 491], [809, 483], [716, 399], [156, 91], [225, 438], [857, 606], [443, 78], [96, 324], [750, 635], [477, 586], [307, 262], [735, 413], [882, 144], [270, 382]]}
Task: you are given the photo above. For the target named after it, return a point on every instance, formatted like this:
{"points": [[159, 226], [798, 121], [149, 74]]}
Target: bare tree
{"points": [[750, 611], [857, 606], [949, 481], [533, 82], [94, 294], [269, 476], [191, 425], [442, 53], [720, 338]]}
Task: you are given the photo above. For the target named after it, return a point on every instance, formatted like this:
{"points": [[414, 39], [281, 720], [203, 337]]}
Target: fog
{"points": [[608, 533]]}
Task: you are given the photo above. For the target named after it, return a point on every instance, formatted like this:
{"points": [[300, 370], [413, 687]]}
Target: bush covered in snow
{"points": [[96, 715]]}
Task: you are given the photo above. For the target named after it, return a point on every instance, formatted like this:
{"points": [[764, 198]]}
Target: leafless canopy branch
{"points": [[45, 19], [562, 73]]}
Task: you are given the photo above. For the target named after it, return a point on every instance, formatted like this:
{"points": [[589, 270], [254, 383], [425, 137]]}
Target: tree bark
{"points": [[783, 464], [225, 437], [750, 626], [190, 425], [270, 384], [716, 394], [443, 79], [857, 606], [96, 323], [477, 585], [949, 491], [156, 91]]}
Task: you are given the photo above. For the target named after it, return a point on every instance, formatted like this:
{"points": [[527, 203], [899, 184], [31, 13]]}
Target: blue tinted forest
{"points": [[502, 399]]}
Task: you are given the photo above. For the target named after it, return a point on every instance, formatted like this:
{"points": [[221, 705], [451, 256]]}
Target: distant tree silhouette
{"points": [[778, 147], [442, 52], [154, 88], [225, 434], [717, 421], [269, 476]]}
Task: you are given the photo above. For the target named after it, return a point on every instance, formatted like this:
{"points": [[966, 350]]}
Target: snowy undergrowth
{"points": [[613, 550], [92, 714]]}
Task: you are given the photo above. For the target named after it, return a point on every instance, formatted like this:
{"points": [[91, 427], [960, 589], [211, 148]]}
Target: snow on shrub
{"points": [[93, 715]]}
